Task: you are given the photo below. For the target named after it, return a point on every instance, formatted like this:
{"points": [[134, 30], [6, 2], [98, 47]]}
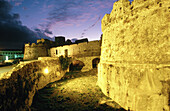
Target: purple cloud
{"points": [[75, 12], [47, 31], [16, 2], [91, 26], [24, 8]]}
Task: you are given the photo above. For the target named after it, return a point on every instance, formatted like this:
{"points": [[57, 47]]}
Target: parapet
{"points": [[34, 45], [27, 45], [123, 10], [40, 40]]}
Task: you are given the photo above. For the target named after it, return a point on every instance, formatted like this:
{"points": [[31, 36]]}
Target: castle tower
{"points": [[60, 40], [135, 57]]}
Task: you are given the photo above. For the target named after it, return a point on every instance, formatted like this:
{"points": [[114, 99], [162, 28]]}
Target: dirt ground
{"points": [[77, 91]]}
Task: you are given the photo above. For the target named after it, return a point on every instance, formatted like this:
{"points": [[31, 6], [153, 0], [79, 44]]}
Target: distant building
{"points": [[43, 48], [84, 49], [1, 58], [7, 54], [60, 40], [81, 40]]}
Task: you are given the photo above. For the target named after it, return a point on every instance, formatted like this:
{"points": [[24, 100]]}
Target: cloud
{"points": [[24, 8], [12, 33], [44, 32], [36, 2], [73, 39], [91, 26], [74, 11], [16, 2], [47, 31]]}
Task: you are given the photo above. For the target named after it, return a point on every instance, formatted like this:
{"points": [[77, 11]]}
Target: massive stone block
{"points": [[17, 88], [134, 68]]}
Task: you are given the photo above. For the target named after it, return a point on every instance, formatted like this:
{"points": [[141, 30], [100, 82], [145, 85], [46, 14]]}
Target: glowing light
{"points": [[46, 71], [15, 56], [6, 57]]}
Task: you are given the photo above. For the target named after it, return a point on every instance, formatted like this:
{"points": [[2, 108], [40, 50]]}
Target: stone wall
{"points": [[134, 68], [87, 62], [19, 86], [34, 51], [91, 48]]}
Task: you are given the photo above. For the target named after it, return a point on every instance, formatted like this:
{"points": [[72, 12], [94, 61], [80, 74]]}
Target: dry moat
{"points": [[77, 91]]}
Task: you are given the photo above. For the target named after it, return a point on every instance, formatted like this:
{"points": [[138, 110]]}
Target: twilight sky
{"points": [[26, 20]]}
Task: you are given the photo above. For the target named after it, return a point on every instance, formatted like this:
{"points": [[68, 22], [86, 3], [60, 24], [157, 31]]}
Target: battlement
{"points": [[41, 40], [33, 51], [126, 12], [34, 45]]}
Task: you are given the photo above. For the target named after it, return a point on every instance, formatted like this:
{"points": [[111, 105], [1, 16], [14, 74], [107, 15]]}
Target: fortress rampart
{"points": [[134, 68], [33, 51], [19, 86], [85, 49]]}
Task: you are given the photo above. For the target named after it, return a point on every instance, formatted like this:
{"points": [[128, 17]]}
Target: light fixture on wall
{"points": [[46, 71]]}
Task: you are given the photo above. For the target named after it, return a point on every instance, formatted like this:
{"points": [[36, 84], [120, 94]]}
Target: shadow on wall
{"points": [[95, 62], [76, 65]]}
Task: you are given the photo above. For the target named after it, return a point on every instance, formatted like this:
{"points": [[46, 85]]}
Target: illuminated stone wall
{"points": [[85, 49], [87, 62], [17, 88], [34, 51], [134, 68]]}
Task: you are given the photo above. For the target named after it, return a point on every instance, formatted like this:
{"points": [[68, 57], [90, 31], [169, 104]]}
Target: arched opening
{"points": [[76, 65], [95, 62]]}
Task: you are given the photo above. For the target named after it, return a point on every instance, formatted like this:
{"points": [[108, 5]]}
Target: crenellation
{"points": [[33, 51], [33, 45], [105, 21], [27, 45]]}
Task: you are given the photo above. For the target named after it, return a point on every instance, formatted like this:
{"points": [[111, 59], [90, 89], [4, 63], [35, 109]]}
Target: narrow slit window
{"points": [[56, 52]]}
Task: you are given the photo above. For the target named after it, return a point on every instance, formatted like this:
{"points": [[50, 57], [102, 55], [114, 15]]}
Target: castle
{"points": [[42, 48], [47, 48], [134, 59], [84, 51]]}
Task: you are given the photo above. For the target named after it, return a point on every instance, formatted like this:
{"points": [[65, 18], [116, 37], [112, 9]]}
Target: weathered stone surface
{"points": [[17, 88], [85, 52], [134, 68], [34, 51], [87, 62]]}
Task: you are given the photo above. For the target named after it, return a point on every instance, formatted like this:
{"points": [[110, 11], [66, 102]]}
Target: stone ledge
{"points": [[19, 86]]}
